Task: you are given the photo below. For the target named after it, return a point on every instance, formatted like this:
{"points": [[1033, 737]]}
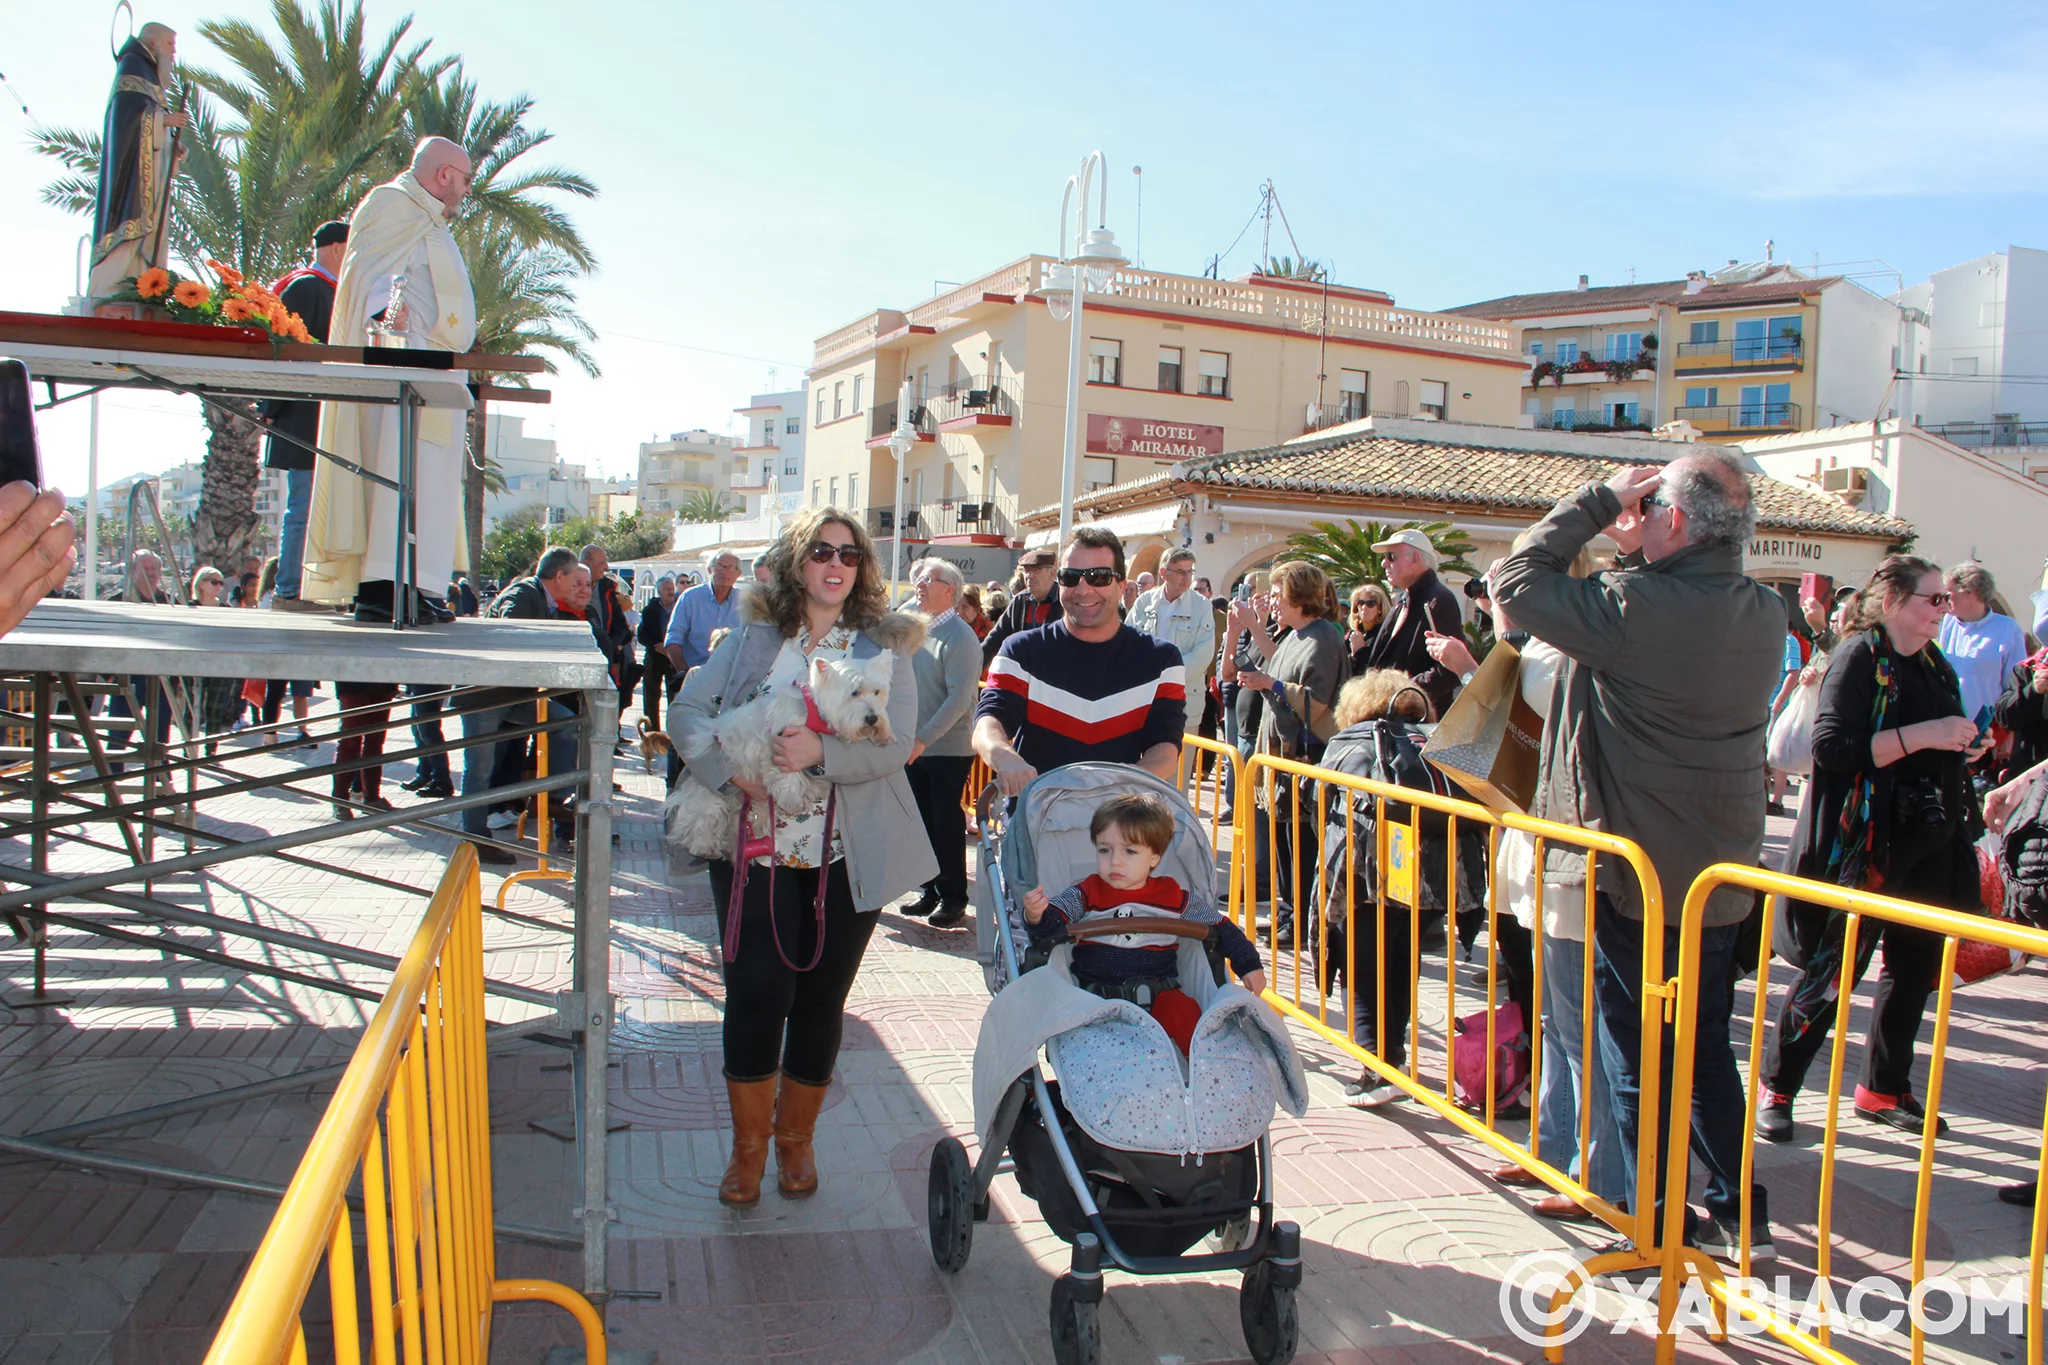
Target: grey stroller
{"points": [[1134, 1153]]}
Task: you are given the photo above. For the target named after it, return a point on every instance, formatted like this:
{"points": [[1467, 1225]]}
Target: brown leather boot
{"points": [[753, 1113], [796, 1118]]}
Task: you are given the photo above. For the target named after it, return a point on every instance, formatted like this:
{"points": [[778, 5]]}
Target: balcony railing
{"points": [[1319, 416], [1741, 417], [976, 396], [882, 420], [961, 517], [1992, 434], [1590, 420], [1778, 350]]}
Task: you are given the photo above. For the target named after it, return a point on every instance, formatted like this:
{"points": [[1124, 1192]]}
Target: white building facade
{"points": [[535, 475], [768, 468], [1987, 340]]}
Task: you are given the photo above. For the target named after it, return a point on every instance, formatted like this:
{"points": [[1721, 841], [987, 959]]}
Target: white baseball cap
{"points": [[1410, 537]]}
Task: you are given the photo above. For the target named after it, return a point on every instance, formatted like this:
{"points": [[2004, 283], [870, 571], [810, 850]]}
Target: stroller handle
{"points": [[985, 804], [1137, 924]]}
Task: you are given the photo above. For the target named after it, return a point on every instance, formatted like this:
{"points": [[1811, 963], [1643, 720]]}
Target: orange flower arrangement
{"points": [[191, 294], [238, 310], [228, 274], [235, 303], [153, 283]]}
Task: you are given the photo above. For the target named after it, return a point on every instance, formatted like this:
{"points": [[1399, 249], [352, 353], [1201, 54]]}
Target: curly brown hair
{"points": [[783, 594]]}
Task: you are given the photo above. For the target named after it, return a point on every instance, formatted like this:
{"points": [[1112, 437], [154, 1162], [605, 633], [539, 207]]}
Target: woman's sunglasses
{"points": [[1094, 578], [849, 555], [1937, 600]]}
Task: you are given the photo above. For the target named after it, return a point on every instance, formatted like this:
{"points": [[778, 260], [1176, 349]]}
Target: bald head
{"points": [[161, 41], [442, 168]]}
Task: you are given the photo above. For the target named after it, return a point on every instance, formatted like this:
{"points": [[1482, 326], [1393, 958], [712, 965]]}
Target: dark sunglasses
{"points": [[849, 555], [1095, 578], [1652, 500], [1937, 600]]}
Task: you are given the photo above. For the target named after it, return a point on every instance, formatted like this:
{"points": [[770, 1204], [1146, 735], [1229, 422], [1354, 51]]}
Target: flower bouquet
{"points": [[232, 302]]}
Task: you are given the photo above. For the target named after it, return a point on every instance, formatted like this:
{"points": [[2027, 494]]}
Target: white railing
{"points": [[1013, 280]]}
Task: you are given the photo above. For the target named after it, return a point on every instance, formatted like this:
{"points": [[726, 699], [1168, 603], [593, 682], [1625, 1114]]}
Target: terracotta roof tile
{"points": [[1570, 300], [1743, 295]]}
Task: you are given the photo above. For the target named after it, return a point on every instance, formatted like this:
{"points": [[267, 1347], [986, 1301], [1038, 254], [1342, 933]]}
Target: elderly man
{"points": [[400, 230], [1426, 606], [1175, 613], [948, 668], [608, 623], [1656, 734], [1036, 606], [653, 630], [703, 609], [1087, 688], [1983, 646]]}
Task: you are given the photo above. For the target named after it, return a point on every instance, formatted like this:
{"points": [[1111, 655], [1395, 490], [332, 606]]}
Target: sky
{"points": [[772, 171]]}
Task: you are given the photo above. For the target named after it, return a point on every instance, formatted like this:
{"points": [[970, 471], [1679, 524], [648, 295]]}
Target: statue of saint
{"points": [[131, 220]]}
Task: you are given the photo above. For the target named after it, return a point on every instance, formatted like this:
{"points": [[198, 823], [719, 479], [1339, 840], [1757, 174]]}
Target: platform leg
{"points": [[593, 979]]}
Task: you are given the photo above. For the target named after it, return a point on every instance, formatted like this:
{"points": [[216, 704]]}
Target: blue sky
{"points": [[770, 171]]}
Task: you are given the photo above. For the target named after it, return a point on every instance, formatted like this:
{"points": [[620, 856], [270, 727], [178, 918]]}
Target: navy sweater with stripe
{"points": [[1063, 700]]}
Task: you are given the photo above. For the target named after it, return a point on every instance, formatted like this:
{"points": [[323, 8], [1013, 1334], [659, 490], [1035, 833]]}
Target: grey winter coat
{"points": [[887, 853], [948, 666], [1656, 729]]}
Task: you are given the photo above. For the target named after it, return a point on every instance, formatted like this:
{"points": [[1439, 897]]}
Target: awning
{"points": [[1162, 520]]}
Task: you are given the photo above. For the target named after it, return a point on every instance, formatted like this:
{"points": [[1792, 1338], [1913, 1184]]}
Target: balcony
{"points": [[1349, 407], [1587, 369], [1590, 420], [976, 401], [959, 517], [1992, 434], [882, 423], [1732, 418], [1740, 355]]}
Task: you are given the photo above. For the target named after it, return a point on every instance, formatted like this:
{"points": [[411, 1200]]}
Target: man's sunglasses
{"points": [[849, 555], [1652, 500], [1094, 578]]}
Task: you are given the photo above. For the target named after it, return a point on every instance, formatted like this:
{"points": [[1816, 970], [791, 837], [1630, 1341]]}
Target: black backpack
{"points": [[2025, 858]]}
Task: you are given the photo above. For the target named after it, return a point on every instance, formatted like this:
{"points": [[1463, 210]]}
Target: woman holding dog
{"points": [[786, 985]]}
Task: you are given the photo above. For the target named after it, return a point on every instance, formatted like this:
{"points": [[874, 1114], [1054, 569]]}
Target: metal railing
{"points": [[1740, 416], [978, 395], [882, 419], [1982, 435], [1567, 419], [429, 1231], [1779, 350]]}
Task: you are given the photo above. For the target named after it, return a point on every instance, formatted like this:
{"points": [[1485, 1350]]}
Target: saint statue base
{"points": [[126, 312]]}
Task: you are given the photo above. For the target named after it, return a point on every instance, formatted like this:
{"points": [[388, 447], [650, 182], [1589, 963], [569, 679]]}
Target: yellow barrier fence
{"points": [[1398, 880], [544, 826], [412, 1112], [1209, 779], [1864, 913]]}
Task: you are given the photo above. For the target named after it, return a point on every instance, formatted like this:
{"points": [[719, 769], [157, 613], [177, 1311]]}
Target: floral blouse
{"points": [[800, 833]]}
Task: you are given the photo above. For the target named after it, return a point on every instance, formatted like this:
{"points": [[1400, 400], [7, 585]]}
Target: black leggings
{"points": [[776, 1018]]}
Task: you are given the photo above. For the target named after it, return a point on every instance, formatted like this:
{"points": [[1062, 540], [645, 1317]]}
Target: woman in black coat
{"points": [[1891, 813]]}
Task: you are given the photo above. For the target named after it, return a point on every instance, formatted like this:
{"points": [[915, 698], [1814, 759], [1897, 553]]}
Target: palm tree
{"points": [[703, 505], [1345, 552], [1287, 268]]}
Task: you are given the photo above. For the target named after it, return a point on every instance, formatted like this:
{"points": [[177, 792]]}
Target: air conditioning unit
{"points": [[1850, 483]]}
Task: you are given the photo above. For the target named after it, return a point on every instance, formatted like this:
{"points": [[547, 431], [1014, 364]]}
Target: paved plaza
{"points": [[1405, 1238]]}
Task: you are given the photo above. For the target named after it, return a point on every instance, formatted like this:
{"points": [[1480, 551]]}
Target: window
{"points": [[1622, 413], [852, 492], [1535, 351], [1215, 373], [1624, 345], [792, 426], [1785, 337], [838, 401], [1708, 397], [1105, 361], [834, 490], [924, 385], [1436, 399], [1351, 391], [1567, 350], [917, 488], [1963, 364], [1749, 339], [1097, 472], [821, 408], [767, 471], [789, 469], [858, 380], [1765, 405], [1169, 368], [817, 485], [1705, 333]]}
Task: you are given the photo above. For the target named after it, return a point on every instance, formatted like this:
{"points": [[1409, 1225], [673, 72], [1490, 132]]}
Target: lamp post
{"points": [[902, 441], [1089, 259]]}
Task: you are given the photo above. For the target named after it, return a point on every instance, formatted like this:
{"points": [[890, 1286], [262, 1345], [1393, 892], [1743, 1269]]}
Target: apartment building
{"points": [[1746, 351], [690, 466], [1175, 367], [535, 475], [1977, 380], [768, 467]]}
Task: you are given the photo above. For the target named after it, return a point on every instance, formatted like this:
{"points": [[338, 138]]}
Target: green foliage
{"points": [[1344, 550], [704, 505], [513, 546], [1287, 268], [636, 535]]}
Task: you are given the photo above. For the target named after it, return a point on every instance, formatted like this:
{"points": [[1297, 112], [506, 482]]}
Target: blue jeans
{"points": [[1719, 1108], [1564, 1090], [486, 767], [426, 729], [291, 538]]}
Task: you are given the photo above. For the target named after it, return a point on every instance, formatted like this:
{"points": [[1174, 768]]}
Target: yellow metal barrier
{"points": [[1209, 768], [1679, 1264], [544, 828], [1399, 847], [429, 1233]]}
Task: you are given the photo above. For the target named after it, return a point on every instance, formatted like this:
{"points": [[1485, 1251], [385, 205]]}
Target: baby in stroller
{"points": [[1131, 834]]}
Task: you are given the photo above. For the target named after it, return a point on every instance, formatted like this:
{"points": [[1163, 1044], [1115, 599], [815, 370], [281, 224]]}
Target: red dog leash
{"points": [[748, 848]]}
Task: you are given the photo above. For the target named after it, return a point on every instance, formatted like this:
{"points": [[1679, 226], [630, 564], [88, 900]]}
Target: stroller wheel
{"points": [[950, 1205], [1076, 1329], [1234, 1235], [1267, 1311]]}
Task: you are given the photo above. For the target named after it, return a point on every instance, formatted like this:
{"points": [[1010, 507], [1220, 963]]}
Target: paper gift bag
{"points": [[1491, 740]]}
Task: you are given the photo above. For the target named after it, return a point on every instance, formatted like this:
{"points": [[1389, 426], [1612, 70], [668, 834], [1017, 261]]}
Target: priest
{"points": [[353, 532], [130, 214]]}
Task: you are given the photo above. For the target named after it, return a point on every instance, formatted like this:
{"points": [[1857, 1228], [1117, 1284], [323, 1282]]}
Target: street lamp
{"points": [[902, 441], [1089, 259]]}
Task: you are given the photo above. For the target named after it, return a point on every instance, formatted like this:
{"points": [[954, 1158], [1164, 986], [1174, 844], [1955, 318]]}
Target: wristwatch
{"points": [[1465, 678]]}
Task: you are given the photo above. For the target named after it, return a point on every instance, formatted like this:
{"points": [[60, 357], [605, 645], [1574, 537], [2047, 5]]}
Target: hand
{"points": [[2041, 678], [1630, 485], [1255, 980], [1955, 734], [2000, 802], [1353, 641], [1449, 651], [1012, 772], [1255, 680], [1035, 904], [38, 545], [1979, 749], [1239, 615], [398, 319], [1816, 613], [798, 747], [175, 120], [1808, 676], [916, 750]]}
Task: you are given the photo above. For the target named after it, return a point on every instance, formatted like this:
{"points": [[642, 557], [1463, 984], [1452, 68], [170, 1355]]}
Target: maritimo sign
{"points": [[1146, 436]]}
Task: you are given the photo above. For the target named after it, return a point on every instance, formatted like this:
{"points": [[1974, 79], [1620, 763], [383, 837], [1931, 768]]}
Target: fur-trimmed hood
{"points": [[901, 631]]}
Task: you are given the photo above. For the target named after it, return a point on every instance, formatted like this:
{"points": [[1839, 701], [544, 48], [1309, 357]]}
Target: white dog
{"points": [[851, 701]]}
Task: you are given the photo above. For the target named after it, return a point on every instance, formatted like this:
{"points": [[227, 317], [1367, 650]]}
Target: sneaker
{"points": [[1722, 1241], [1902, 1112], [1774, 1118], [1364, 1081], [1378, 1096], [502, 819]]}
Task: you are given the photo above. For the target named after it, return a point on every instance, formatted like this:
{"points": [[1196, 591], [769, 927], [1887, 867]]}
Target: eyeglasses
{"points": [[1652, 500], [1095, 578], [1937, 600], [849, 555]]}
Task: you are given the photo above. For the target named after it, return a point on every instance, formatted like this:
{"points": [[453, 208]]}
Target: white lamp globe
{"points": [[1100, 259], [1058, 292]]}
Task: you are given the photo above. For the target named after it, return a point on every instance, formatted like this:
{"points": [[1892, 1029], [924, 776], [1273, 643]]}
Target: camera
{"points": [[1917, 808], [1476, 589]]}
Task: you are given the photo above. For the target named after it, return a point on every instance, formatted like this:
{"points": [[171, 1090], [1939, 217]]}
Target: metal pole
{"points": [[92, 500], [592, 974], [897, 453], [1070, 459], [408, 483]]}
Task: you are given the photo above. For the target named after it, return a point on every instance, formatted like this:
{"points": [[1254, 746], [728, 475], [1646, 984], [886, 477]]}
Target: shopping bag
{"points": [[1510, 1059], [1491, 741], [1790, 747], [1977, 960]]}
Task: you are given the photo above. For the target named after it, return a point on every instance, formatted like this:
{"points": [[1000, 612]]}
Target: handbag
{"points": [[1790, 747], [1491, 740]]}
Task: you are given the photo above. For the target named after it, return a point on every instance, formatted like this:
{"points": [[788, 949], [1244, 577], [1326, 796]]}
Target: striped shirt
{"points": [[1063, 700]]}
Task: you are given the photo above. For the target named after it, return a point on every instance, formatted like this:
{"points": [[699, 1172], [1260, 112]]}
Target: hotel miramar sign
{"points": [[1151, 438]]}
